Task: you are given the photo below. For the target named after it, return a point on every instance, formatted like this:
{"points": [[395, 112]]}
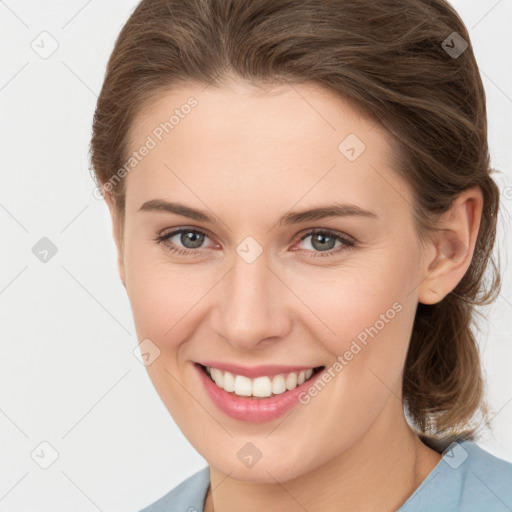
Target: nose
{"points": [[251, 306]]}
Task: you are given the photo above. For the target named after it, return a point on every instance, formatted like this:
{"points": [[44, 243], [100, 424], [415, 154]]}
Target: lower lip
{"points": [[254, 410]]}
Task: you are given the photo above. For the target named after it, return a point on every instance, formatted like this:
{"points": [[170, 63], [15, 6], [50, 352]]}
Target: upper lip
{"points": [[255, 371]]}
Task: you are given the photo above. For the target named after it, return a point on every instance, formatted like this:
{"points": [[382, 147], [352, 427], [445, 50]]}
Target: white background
{"points": [[68, 374]]}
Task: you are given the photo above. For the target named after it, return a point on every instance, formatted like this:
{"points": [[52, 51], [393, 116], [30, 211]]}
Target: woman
{"points": [[303, 208]]}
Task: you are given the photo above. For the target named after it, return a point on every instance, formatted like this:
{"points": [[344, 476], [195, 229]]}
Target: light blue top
{"points": [[466, 479]]}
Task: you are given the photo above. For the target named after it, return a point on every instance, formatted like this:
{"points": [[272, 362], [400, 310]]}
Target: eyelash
{"points": [[346, 242]]}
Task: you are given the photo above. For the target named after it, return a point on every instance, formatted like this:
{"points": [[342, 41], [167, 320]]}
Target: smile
{"points": [[260, 387], [263, 397]]}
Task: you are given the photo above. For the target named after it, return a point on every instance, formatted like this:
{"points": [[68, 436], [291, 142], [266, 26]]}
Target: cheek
{"points": [[165, 304], [161, 294], [366, 317], [362, 299]]}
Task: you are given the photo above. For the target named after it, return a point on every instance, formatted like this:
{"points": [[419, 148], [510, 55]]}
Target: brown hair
{"points": [[389, 59]]}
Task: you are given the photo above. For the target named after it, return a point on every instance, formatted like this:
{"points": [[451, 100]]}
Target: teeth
{"points": [[278, 385], [260, 387], [217, 376], [229, 382], [243, 386], [291, 381]]}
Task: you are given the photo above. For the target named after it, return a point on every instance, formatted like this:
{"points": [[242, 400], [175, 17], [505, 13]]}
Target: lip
{"points": [[254, 410], [255, 371]]}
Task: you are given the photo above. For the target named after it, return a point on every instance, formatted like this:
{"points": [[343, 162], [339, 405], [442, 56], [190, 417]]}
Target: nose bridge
{"points": [[250, 308]]}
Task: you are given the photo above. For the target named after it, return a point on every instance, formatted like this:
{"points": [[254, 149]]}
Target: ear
{"points": [[451, 249], [110, 200]]}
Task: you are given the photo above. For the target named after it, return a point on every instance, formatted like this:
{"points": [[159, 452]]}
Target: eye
{"points": [[191, 240], [323, 243]]}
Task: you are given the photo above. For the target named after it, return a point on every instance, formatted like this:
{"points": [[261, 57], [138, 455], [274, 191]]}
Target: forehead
{"points": [[307, 108], [284, 141]]}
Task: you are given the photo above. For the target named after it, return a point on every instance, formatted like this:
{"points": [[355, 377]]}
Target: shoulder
{"points": [[487, 478], [466, 479], [186, 497]]}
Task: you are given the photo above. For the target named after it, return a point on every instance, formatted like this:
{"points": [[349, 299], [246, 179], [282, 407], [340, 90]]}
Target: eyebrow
{"points": [[333, 210]]}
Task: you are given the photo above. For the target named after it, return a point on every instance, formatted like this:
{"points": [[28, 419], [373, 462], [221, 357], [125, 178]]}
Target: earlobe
{"points": [[110, 201], [452, 247]]}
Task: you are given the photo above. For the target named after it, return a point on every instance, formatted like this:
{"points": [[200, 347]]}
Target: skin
{"points": [[248, 156]]}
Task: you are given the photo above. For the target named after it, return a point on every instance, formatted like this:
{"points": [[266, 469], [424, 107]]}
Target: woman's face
{"points": [[240, 286]]}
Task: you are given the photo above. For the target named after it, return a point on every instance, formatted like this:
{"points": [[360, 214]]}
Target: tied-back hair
{"points": [[386, 58]]}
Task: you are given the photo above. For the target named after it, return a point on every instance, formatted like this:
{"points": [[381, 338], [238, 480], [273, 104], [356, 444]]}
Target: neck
{"points": [[377, 473]]}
